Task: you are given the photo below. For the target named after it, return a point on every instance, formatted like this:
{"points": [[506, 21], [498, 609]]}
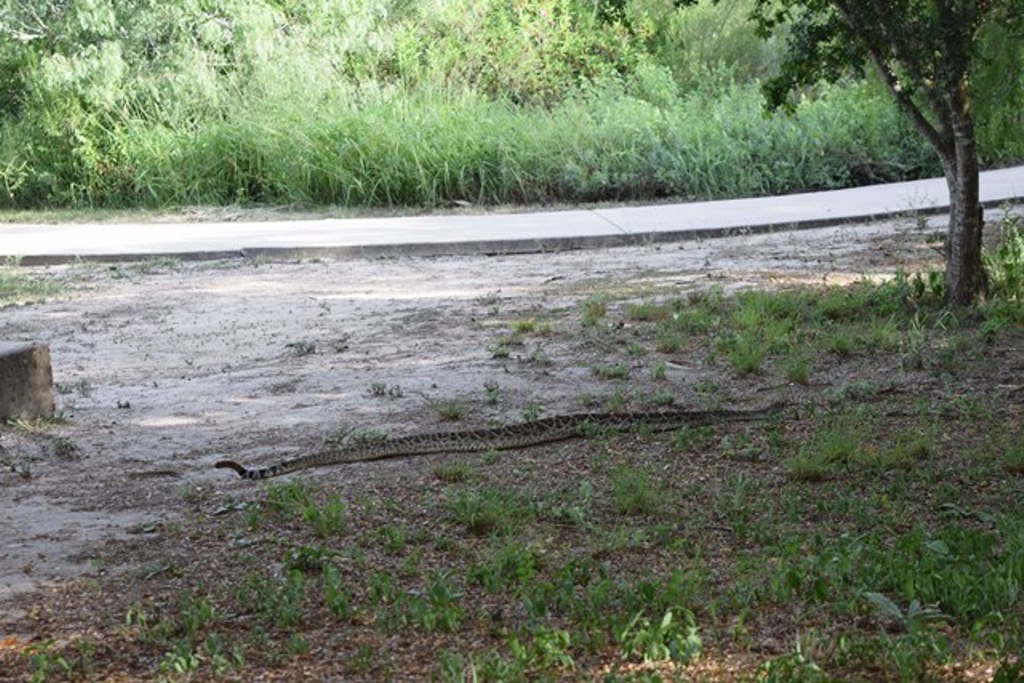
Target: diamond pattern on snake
{"points": [[507, 437]]}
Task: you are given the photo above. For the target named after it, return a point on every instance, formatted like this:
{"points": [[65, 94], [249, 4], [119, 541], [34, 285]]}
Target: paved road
{"points": [[488, 233]]}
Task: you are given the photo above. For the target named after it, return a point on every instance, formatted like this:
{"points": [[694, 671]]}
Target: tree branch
{"points": [[935, 136]]}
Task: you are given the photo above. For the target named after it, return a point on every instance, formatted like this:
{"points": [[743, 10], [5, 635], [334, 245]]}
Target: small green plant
{"points": [[443, 612], [196, 613], [216, 650], [669, 340], [303, 347], [709, 393], [548, 648], [491, 388], [297, 645], [570, 505], [1005, 266], [616, 403], [340, 436], [532, 411], [493, 666], [196, 495], [837, 445], [362, 662], [1009, 671], [156, 264], [328, 519], [667, 639], [337, 598], [382, 589], [365, 436], [451, 667], [289, 499], [746, 353], [740, 448], [450, 411], [21, 466], [277, 601], [523, 326], [635, 492], [82, 387], [841, 341], [455, 473], [512, 339], [701, 318], [847, 392], [594, 308], [64, 447], [488, 299], [793, 666], [499, 351], [658, 371], [505, 565], [37, 425], [433, 608], [486, 510], [912, 619], [384, 390], [663, 398], [611, 372], [907, 449], [19, 287], [306, 559], [393, 537], [411, 566], [646, 312], [180, 660], [808, 465], [1013, 457], [539, 356], [915, 345], [881, 334], [798, 370], [45, 661]]}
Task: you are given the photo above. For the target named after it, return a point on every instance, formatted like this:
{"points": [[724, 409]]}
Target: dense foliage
{"points": [[389, 102]]}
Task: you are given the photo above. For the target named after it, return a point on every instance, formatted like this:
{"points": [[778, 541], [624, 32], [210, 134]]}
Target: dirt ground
{"points": [[162, 368]]}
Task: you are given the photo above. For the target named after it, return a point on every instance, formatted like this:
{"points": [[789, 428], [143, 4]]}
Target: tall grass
{"points": [[389, 103], [427, 149]]}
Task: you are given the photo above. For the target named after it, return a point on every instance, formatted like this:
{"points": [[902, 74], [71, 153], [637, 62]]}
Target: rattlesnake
{"points": [[507, 437]]}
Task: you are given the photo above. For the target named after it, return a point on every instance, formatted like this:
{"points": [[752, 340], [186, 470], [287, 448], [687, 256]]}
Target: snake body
{"points": [[507, 437]]}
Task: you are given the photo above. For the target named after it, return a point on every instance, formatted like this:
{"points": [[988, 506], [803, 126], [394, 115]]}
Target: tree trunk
{"points": [[965, 276]]}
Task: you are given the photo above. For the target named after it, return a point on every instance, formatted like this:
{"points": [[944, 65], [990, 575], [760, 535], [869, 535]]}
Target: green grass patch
{"points": [[487, 510], [635, 492], [873, 520], [1005, 264], [455, 473], [1013, 457], [615, 371], [18, 286], [646, 312]]}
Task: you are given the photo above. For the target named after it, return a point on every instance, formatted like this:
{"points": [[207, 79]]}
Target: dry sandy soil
{"points": [[161, 369]]}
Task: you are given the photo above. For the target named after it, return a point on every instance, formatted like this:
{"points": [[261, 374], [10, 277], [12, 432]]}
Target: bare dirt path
{"points": [[163, 368]]}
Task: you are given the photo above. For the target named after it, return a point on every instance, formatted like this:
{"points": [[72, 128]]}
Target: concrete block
{"points": [[26, 381]]}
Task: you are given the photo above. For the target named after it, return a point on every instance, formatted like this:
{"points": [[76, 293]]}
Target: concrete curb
{"points": [[482, 247], [436, 235]]}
